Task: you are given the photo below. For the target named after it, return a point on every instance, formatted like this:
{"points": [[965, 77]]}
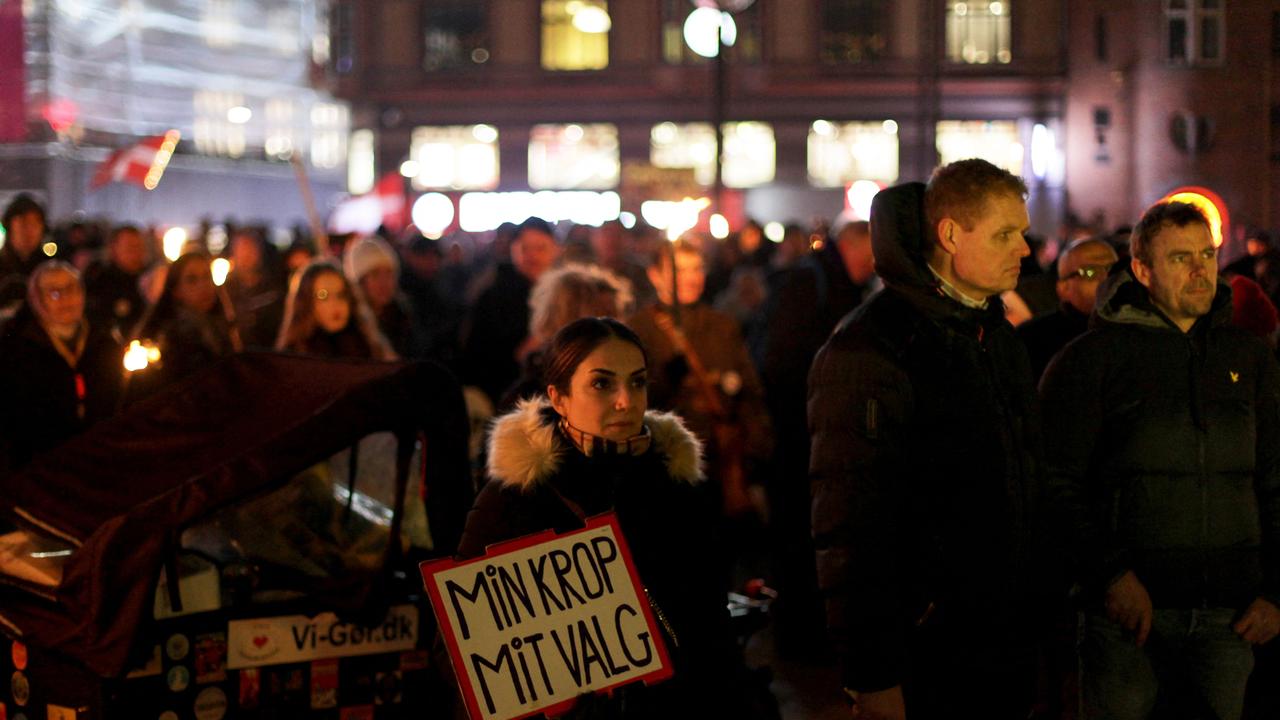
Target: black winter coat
{"points": [[924, 456], [39, 394], [667, 524], [1165, 457], [498, 323]]}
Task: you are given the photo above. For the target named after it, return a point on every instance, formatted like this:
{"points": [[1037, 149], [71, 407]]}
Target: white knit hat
{"points": [[366, 254]]}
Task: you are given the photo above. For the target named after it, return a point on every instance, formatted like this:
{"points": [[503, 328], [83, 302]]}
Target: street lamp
{"points": [[708, 30]]}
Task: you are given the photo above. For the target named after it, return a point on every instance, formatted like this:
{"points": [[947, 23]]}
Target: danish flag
{"points": [[142, 163]]}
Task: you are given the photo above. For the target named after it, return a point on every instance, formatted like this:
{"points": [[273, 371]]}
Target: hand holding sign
{"points": [[541, 620]]}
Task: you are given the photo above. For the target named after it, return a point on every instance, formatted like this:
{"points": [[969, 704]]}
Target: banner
{"points": [[298, 638], [13, 84], [540, 620]]}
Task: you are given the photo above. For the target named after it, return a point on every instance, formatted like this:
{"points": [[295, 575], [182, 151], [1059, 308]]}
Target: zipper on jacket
{"points": [[1198, 364], [662, 617]]}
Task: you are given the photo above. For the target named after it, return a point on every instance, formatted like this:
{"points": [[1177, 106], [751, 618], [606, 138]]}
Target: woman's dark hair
{"points": [[166, 306], [576, 341]]}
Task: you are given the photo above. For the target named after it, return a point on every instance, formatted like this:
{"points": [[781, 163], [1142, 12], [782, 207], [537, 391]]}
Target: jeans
{"points": [[1192, 666]]}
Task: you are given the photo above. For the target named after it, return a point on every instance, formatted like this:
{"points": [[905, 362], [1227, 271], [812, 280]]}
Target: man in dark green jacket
{"points": [[1164, 473], [924, 456]]}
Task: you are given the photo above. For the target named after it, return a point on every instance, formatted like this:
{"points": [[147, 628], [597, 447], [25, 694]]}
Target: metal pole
{"points": [[720, 96]]}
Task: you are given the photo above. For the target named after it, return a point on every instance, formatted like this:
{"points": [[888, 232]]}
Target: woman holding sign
{"points": [[588, 447]]}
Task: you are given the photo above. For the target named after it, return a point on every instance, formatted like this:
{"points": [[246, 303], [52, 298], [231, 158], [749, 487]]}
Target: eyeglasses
{"points": [[57, 292], [1090, 272]]}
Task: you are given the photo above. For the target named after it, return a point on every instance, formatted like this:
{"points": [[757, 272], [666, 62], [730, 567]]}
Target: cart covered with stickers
{"points": [[242, 544]]}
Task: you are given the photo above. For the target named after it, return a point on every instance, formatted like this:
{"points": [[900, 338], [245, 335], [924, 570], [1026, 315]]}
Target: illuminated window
{"points": [[460, 157], [996, 142], [978, 31], [746, 48], [1194, 31], [691, 145], [853, 31], [748, 151], [283, 25], [279, 141], [575, 34], [329, 129], [215, 133], [573, 157], [841, 153], [749, 154], [218, 23], [361, 170], [454, 34]]}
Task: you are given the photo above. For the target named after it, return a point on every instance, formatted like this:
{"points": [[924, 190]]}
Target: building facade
{"points": [[477, 96], [1173, 94], [243, 82]]}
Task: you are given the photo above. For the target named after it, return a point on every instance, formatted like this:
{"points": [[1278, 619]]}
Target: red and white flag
{"points": [[142, 163], [385, 205]]}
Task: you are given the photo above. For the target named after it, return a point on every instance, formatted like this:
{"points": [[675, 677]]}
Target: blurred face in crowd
{"points": [[245, 253], [609, 244], [61, 298], [1081, 271], [129, 251], [749, 239], [691, 277], [379, 286], [986, 258], [1183, 275], [194, 288], [296, 259], [608, 393], [332, 302], [533, 252], [25, 232], [1256, 246], [854, 244]]}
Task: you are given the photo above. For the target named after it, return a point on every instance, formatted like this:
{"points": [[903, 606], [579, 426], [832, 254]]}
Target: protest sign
{"points": [[542, 619]]}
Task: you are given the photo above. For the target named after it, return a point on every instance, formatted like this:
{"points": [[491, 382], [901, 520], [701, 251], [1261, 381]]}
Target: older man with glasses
{"points": [[1082, 267]]}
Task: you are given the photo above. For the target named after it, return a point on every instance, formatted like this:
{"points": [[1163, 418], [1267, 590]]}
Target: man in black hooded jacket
{"points": [[1164, 474], [924, 453]]}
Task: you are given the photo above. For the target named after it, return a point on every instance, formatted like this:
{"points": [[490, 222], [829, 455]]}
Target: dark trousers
{"points": [[1192, 666], [963, 674]]}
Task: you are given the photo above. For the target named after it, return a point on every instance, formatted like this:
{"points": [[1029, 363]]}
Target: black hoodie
{"points": [[1165, 457], [924, 455]]}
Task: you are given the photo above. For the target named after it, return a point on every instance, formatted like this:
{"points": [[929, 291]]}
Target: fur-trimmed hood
{"points": [[524, 451]]}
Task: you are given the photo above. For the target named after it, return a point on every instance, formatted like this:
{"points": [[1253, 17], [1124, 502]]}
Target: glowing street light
{"points": [[432, 213], [707, 28], [719, 226]]}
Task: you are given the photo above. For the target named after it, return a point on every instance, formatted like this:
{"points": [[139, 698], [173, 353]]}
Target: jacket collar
{"points": [[1122, 300], [524, 450], [900, 239]]}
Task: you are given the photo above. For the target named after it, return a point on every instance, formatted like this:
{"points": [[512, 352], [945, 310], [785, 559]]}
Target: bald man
{"points": [[1081, 268]]}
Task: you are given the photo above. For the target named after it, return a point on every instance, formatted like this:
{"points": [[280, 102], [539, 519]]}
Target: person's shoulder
{"points": [[884, 323]]}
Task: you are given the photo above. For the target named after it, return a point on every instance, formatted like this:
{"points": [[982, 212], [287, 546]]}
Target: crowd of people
{"points": [[938, 438]]}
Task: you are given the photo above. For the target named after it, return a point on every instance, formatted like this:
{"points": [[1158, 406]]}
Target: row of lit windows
{"points": [[575, 33], [586, 156], [224, 124]]}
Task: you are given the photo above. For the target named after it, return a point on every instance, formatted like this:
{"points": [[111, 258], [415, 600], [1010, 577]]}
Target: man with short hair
{"points": [[493, 343], [1164, 478], [24, 228], [924, 454], [115, 302], [699, 367], [1081, 268]]}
